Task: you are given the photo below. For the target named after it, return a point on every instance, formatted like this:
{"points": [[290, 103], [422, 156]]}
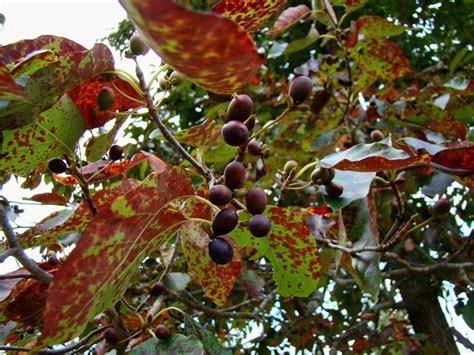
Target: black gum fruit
{"points": [[220, 251]]}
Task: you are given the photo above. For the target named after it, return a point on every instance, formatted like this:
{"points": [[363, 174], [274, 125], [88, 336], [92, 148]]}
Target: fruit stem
{"points": [[155, 74], [272, 123], [420, 225], [304, 168], [200, 199]]}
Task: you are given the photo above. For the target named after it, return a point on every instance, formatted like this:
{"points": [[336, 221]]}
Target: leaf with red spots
{"points": [[50, 198], [290, 248], [46, 76], [379, 58], [209, 49], [85, 97], [104, 170], [375, 26], [97, 272], [53, 133], [216, 280], [9, 89], [48, 230], [97, 146], [250, 14], [372, 157], [288, 18], [204, 134]]}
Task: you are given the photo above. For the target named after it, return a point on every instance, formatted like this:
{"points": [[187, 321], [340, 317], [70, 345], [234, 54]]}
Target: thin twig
{"points": [[17, 276], [165, 131], [37, 272], [85, 189]]}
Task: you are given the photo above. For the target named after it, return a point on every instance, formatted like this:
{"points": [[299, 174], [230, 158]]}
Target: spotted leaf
{"points": [[216, 280], [53, 133], [9, 89], [50, 198], [209, 49], [288, 18], [250, 14], [97, 272], [290, 248], [375, 26], [202, 135]]}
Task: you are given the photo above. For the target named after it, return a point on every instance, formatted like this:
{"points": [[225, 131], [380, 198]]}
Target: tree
{"points": [[318, 194]]}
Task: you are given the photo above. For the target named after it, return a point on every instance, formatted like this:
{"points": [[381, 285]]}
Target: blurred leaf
{"points": [[201, 135], [287, 18], [180, 344], [50, 198], [301, 43], [208, 340], [376, 26], [177, 281]]}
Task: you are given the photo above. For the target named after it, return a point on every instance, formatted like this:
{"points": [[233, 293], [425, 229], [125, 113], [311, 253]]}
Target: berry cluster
{"points": [[236, 132], [323, 176]]}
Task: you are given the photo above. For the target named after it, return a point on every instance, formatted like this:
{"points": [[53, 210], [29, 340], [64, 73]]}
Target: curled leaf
{"points": [[288, 18]]}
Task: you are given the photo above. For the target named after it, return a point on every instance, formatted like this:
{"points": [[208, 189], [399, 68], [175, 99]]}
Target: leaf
{"points": [[277, 49], [250, 14], [177, 281], [98, 270], [9, 90], [208, 341], [53, 133], [201, 135], [350, 5], [375, 26], [356, 186], [301, 43], [379, 58], [364, 230], [372, 157], [210, 50], [288, 18], [456, 158], [290, 248], [216, 280], [252, 282], [103, 170], [180, 344], [50, 198], [468, 312], [45, 86]]}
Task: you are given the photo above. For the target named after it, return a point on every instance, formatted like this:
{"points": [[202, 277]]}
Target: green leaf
{"points": [[97, 272], [277, 49], [53, 133], [290, 248], [302, 43], [457, 59], [216, 280], [97, 146], [356, 186], [177, 281], [208, 341], [468, 313], [145, 348], [180, 344], [375, 26]]}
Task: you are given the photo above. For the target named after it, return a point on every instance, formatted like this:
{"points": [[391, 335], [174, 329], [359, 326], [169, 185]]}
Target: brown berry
{"points": [[376, 135], [441, 207], [300, 89], [111, 336], [334, 189], [256, 200], [234, 175], [240, 108], [157, 289], [254, 147], [219, 195], [235, 133]]}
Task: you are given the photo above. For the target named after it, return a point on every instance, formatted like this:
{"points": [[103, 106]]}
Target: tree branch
{"points": [[36, 272], [164, 130]]}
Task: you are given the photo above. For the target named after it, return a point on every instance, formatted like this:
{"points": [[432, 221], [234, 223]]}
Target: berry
{"points": [[176, 78], [105, 98], [234, 175], [137, 46], [220, 251], [224, 222], [111, 336], [290, 165], [376, 135], [259, 225], [240, 108], [442, 206], [29, 329], [53, 260], [115, 152], [254, 147], [162, 332], [157, 289], [322, 176], [250, 122], [256, 200], [219, 195], [334, 189], [235, 133], [300, 89], [57, 166]]}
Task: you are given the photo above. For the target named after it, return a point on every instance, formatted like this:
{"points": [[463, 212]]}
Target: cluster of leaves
{"points": [[151, 215]]}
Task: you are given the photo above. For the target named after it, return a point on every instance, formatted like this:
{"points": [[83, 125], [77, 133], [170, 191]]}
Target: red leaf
{"points": [[458, 161], [288, 18], [353, 36], [211, 50], [98, 270], [9, 90], [322, 209], [85, 97], [51, 198], [110, 169]]}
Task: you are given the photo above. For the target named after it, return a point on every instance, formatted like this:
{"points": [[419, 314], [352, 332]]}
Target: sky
{"points": [[85, 22]]}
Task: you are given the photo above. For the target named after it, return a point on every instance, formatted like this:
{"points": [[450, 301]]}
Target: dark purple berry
{"points": [[53, 260], [105, 98], [259, 225], [162, 332], [334, 189], [219, 195], [157, 289], [138, 46], [220, 251], [240, 108], [57, 166], [323, 176], [442, 206], [111, 336], [234, 175], [256, 200], [115, 152], [376, 135], [235, 133], [300, 89], [254, 147], [224, 222]]}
